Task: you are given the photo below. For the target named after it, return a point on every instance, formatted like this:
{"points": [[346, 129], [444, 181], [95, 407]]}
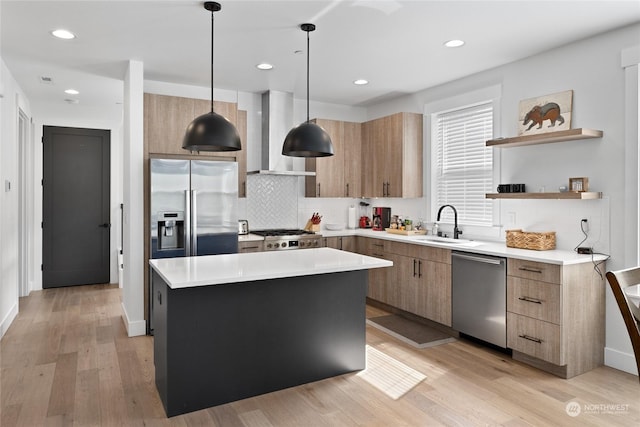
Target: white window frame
{"points": [[490, 94]]}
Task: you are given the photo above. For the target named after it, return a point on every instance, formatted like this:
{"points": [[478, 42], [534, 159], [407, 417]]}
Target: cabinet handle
{"points": [[340, 240], [380, 245], [244, 189], [318, 189], [419, 268], [414, 268], [375, 254], [388, 189], [347, 189], [531, 269], [159, 298], [250, 247], [529, 299], [384, 189], [527, 337]]}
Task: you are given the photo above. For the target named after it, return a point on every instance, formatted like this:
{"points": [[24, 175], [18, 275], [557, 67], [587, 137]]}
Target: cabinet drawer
{"points": [[534, 337], [535, 299], [245, 247], [427, 253], [549, 273]]}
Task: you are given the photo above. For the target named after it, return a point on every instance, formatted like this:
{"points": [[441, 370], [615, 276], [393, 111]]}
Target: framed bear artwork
{"points": [[549, 113]]}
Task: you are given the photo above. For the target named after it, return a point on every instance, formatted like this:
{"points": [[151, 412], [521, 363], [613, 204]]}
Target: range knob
{"points": [[283, 244], [302, 244], [269, 245], [276, 245]]}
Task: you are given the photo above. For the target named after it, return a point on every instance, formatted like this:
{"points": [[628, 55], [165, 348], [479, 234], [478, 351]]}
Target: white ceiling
{"points": [[397, 45]]}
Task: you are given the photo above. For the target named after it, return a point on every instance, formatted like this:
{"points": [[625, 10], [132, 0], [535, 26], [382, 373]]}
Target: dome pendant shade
{"points": [[307, 140], [211, 132]]}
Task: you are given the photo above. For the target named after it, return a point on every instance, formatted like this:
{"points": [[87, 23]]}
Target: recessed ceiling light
{"points": [[71, 92], [454, 43], [63, 34], [264, 66], [360, 82]]}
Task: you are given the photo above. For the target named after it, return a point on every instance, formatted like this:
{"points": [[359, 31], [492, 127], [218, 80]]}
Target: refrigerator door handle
{"points": [[194, 224], [187, 225]]}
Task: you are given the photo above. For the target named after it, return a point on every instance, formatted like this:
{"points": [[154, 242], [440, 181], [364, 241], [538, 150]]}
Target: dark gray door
{"points": [[75, 203]]}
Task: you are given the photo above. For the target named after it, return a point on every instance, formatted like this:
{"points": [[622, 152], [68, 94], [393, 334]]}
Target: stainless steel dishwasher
{"points": [[479, 296]]}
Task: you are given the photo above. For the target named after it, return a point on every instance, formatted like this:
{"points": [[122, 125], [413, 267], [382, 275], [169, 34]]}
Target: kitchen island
{"points": [[229, 327]]}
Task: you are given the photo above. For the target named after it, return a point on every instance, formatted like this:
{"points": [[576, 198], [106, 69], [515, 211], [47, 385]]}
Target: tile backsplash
{"points": [[272, 201]]}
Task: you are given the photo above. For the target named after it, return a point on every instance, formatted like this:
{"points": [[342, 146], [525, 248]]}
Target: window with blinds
{"points": [[463, 164]]}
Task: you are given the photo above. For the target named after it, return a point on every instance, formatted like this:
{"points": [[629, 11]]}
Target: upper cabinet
{"points": [[166, 119], [337, 175], [392, 156]]}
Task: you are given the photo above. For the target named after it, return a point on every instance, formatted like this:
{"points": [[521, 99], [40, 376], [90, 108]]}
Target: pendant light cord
{"points": [[307, 76], [212, 62]]}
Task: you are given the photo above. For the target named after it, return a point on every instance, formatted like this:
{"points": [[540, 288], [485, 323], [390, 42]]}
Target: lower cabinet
{"points": [[555, 316], [419, 281], [344, 243], [250, 246]]}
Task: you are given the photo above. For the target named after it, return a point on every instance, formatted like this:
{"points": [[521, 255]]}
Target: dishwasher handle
{"points": [[493, 261]]}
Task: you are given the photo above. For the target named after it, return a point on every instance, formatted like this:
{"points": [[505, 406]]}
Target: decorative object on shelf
{"points": [[531, 240], [554, 108], [579, 185], [307, 139], [211, 131], [585, 195], [511, 188]]}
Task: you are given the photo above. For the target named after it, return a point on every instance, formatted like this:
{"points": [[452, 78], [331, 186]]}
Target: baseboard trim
{"points": [[8, 319], [134, 328], [619, 360]]}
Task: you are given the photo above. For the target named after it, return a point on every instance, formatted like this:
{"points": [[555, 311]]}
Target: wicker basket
{"points": [[531, 240]]}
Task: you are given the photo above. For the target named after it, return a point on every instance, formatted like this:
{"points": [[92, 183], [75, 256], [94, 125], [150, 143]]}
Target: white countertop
{"points": [[186, 272], [480, 247]]}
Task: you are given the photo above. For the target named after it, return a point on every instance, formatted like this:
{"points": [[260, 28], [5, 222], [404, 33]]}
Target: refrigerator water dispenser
{"points": [[170, 230]]}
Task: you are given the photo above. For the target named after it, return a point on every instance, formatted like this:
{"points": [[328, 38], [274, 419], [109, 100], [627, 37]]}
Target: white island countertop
{"points": [[186, 272]]}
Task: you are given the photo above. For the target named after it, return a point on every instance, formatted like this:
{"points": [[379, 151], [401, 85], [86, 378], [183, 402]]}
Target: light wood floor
{"points": [[66, 360]]}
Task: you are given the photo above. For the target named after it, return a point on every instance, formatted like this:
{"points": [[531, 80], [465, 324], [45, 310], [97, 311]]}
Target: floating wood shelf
{"points": [[545, 138], [564, 195]]}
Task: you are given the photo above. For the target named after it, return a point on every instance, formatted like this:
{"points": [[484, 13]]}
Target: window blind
{"points": [[464, 165]]}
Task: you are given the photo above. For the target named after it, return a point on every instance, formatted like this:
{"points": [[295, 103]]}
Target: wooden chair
{"points": [[618, 280]]}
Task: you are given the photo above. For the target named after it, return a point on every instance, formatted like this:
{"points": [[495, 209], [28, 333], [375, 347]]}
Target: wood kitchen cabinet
{"points": [[555, 316], [344, 243], [166, 119], [250, 246], [337, 175], [392, 156], [419, 281], [422, 278]]}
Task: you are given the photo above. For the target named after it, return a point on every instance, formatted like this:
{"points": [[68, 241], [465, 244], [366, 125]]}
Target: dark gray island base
{"points": [[220, 343]]}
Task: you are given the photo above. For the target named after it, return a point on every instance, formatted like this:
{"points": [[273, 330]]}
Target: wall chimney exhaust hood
{"points": [[277, 121]]}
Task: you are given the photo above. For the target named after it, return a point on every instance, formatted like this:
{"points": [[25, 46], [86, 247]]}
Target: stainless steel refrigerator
{"points": [[194, 206]]}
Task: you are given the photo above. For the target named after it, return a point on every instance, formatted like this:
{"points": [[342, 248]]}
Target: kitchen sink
{"points": [[447, 241]]}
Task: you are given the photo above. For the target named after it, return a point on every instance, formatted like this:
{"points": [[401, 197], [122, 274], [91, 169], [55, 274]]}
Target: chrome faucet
{"points": [[456, 231]]}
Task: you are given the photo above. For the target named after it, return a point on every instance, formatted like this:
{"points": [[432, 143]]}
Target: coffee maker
{"points": [[381, 218]]}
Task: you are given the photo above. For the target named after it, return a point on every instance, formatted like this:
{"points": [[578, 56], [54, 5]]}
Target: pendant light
{"points": [[307, 139], [211, 131]]}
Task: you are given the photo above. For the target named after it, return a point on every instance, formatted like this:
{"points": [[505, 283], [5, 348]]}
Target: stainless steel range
{"points": [[284, 239]]}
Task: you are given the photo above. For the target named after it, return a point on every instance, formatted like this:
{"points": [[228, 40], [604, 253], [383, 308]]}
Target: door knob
{"points": [[105, 225]]}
